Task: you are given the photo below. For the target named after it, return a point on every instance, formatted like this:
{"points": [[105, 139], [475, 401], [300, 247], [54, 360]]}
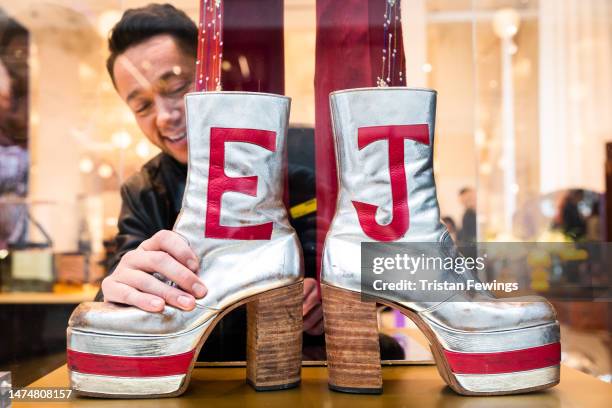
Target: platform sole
{"points": [[114, 366], [494, 368]]}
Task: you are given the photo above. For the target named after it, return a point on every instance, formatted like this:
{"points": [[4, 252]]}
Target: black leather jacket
{"points": [[151, 200]]}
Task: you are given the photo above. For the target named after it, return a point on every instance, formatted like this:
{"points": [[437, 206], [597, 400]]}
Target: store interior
{"points": [[524, 95]]}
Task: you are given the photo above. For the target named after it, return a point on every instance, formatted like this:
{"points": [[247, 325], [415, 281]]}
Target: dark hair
{"points": [[139, 24]]}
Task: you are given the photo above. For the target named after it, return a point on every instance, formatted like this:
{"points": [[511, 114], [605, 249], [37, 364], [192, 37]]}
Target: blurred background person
{"points": [[568, 218], [593, 224], [467, 234]]}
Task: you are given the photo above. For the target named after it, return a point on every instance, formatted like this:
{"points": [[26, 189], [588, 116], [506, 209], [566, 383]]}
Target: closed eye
{"points": [[180, 88], [142, 108]]}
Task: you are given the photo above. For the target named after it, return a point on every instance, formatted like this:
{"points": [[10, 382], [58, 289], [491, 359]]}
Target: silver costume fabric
{"points": [[462, 321], [363, 175], [233, 269]]}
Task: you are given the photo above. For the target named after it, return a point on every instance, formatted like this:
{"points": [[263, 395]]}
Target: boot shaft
{"points": [[384, 150], [234, 137], [233, 215]]}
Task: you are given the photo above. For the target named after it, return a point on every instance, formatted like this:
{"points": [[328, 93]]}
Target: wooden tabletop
{"points": [[405, 386]]}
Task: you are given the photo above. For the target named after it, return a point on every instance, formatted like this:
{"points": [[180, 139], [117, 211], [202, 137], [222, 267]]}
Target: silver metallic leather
{"points": [[509, 382], [496, 341], [363, 175], [232, 269], [135, 345], [126, 386], [471, 312], [466, 322]]}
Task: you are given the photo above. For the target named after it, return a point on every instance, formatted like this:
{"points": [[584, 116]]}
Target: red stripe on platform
{"points": [[122, 366], [504, 362]]}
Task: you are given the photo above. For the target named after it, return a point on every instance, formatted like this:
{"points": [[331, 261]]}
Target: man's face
{"points": [[152, 78]]}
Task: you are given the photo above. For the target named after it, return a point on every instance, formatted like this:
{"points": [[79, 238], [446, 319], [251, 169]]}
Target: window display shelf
{"points": [[408, 386], [85, 295]]}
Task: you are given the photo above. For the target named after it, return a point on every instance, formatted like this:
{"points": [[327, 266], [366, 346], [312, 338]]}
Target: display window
{"points": [[325, 140]]}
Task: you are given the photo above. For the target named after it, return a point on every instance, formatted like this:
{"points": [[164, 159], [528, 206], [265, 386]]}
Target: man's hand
{"points": [[312, 310], [167, 254]]}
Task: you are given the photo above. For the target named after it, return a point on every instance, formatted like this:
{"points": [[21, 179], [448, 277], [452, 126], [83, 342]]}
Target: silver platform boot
{"points": [[234, 219], [387, 193]]}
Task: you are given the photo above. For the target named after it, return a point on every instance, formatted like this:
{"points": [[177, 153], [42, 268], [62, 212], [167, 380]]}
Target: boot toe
{"points": [[112, 318], [487, 314]]}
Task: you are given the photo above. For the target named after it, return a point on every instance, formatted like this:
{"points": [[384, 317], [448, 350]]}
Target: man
{"points": [[467, 234], [152, 65], [569, 218]]}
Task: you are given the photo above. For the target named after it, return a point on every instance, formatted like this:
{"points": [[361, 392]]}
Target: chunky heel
{"points": [[274, 339], [351, 337]]}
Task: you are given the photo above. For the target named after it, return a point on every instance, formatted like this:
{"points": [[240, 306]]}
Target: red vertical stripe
{"points": [[210, 45], [504, 362], [348, 55], [121, 366]]}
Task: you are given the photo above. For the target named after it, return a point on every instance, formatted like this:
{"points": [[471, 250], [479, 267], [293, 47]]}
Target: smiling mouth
{"points": [[174, 139]]}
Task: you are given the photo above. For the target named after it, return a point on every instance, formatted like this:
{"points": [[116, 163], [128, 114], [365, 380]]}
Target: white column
{"points": [[508, 134], [54, 175], [414, 30], [575, 92], [506, 23]]}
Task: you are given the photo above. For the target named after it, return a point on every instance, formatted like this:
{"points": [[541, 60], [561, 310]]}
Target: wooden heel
{"points": [[274, 339], [351, 338]]}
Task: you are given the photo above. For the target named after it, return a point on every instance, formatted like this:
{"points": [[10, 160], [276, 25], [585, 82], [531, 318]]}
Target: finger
{"points": [[316, 330], [312, 318], [310, 285], [310, 301], [115, 291], [148, 284], [163, 263], [174, 245]]}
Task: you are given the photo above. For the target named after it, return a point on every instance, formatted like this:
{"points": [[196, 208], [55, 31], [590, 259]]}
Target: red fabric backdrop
{"points": [[350, 39], [248, 36], [253, 33]]}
